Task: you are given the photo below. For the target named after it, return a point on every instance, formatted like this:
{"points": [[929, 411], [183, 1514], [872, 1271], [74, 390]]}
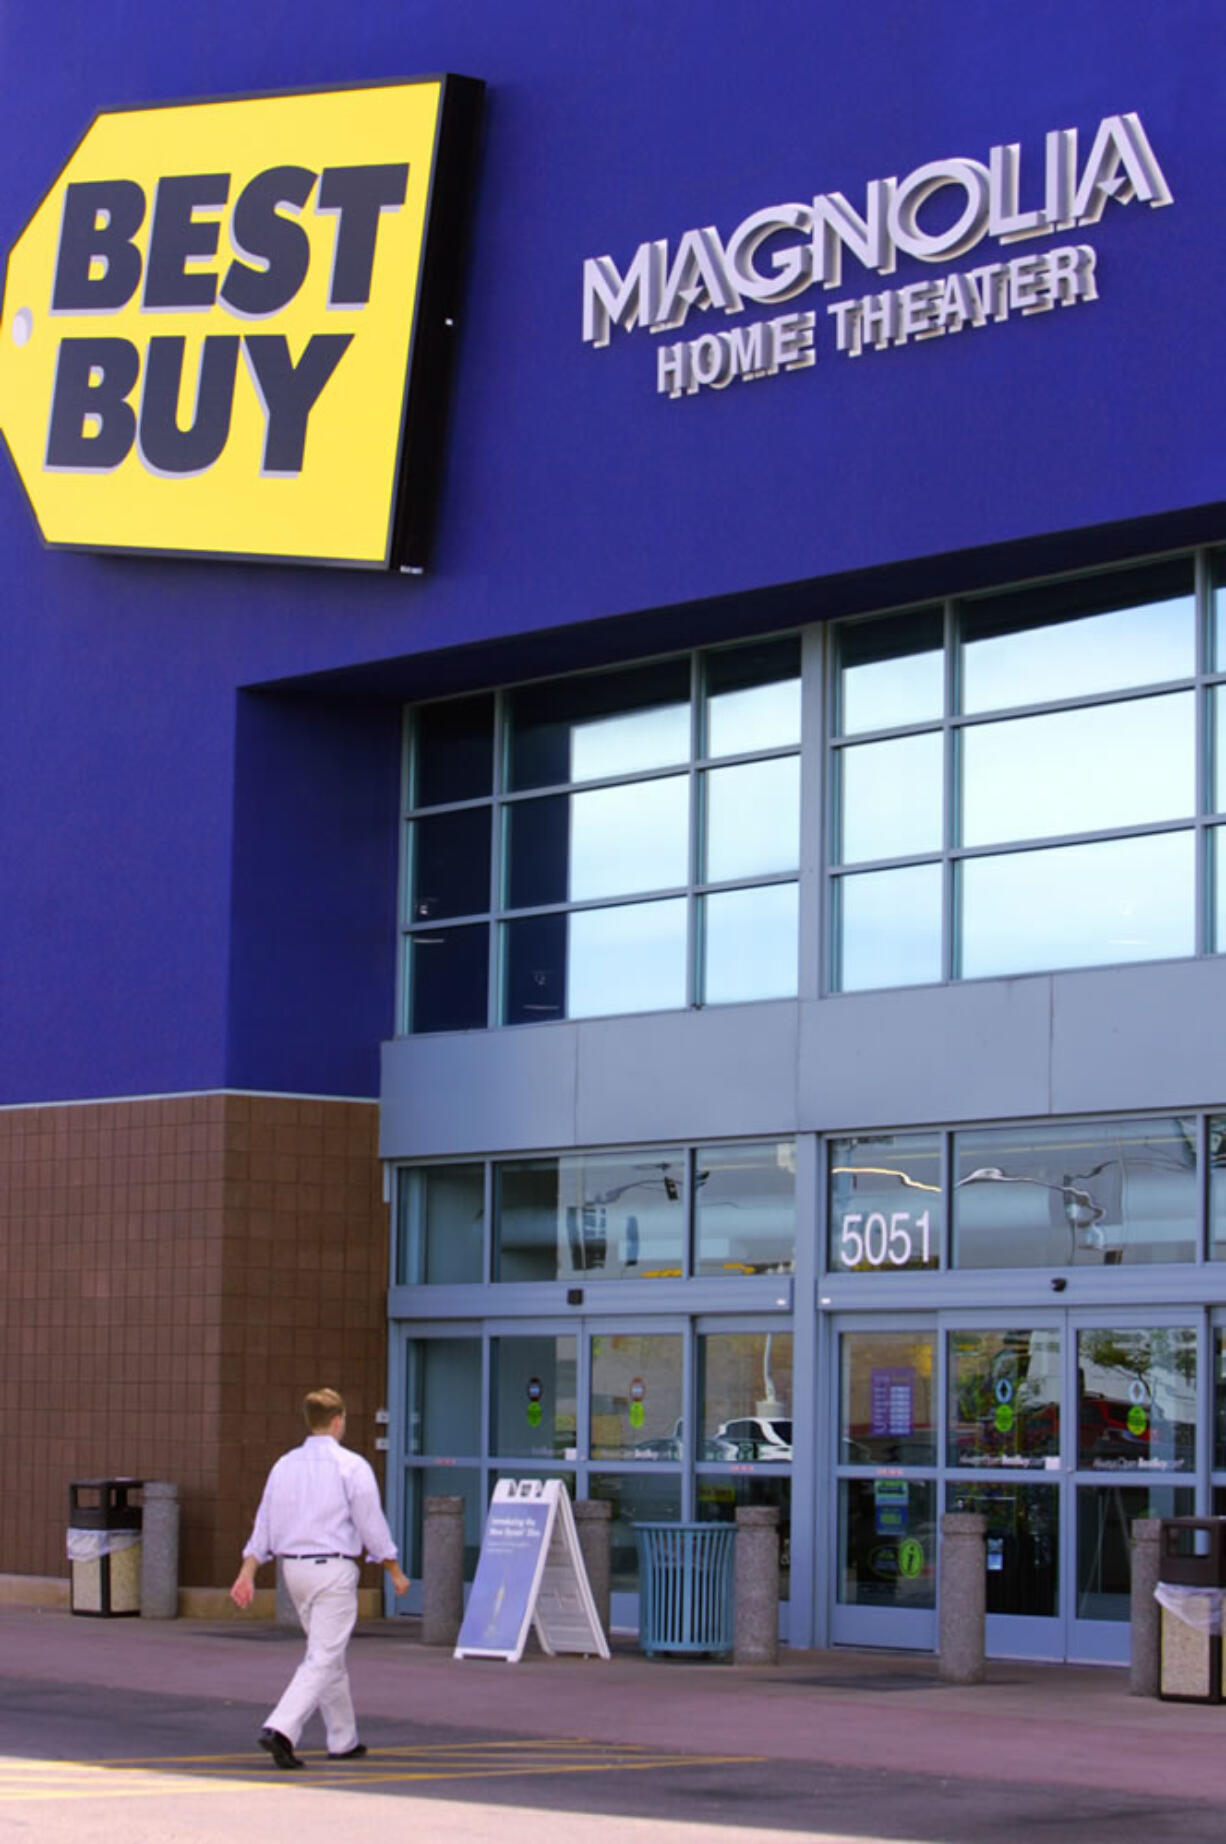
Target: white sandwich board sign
{"points": [[530, 1573]]}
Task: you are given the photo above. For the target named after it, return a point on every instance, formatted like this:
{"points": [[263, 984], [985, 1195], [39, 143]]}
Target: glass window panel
{"points": [[750, 941], [886, 1405], [424, 1482], [1217, 1187], [753, 697], [449, 978], [1217, 848], [1079, 771], [613, 723], [1078, 905], [1004, 1398], [1136, 1406], [636, 1396], [889, 928], [890, 798], [1219, 618], [752, 819], [891, 672], [1084, 1194], [453, 750], [444, 1396], [887, 1543], [534, 969], [745, 1208], [718, 1496], [440, 1225], [1105, 1517], [1022, 1547], [450, 855], [1219, 1402], [628, 959], [533, 1382], [598, 1215], [745, 1397], [1219, 748], [609, 842], [636, 1498], [1034, 647], [887, 1209]]}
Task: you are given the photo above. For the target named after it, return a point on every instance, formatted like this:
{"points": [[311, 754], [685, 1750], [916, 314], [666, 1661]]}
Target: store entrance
{"points": [[1061, 1428]]}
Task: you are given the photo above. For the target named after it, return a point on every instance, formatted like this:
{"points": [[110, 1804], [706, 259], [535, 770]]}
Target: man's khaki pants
{"points": [[325, 1594]]}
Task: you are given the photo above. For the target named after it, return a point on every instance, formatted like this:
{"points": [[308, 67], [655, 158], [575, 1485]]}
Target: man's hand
{"points": [[397, 1577], [242, 1592]]}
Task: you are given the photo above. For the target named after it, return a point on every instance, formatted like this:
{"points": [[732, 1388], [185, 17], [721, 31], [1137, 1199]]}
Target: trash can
{"points": [[104, 1546], [1190, 1591], [685, 1587]]}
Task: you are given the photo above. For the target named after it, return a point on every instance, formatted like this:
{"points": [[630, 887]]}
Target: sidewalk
{"points": [[1038, 1725]]}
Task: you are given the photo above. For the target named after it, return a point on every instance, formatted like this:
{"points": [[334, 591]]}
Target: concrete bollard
{"points": [[1146, 1616], [442, 1571], [159, 1556], [285, 1614], [962, 1635], [594, 1523], [755, 1625]]}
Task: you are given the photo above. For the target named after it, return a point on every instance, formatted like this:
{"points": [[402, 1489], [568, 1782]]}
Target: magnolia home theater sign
{"points": [[224, 326], [780, 252]]}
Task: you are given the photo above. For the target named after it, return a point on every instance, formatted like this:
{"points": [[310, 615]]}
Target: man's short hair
{"points": [[321, 1408]]}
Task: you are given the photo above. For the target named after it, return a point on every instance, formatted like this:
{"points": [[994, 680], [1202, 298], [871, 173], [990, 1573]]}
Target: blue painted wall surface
{"points": [[134, 931]]}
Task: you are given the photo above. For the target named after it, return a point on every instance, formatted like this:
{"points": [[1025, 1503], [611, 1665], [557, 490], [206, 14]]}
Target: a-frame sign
{"points": [[530, 1573]]}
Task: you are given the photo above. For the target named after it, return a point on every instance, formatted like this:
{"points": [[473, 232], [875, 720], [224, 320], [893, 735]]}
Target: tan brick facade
{"points": [[174, 1275]]}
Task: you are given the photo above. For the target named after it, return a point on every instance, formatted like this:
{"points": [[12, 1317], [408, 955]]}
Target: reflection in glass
{"points": [[1022, 1547], [1004, 1398], [1078, 905], [440, 1212], [624, 839], [887, 1209], [453, 750], [1083, 1194], [887, 1543], [636, 1498], [597, 1215], [423, 1482], [745, 1397], [753, 697], [1219, 1402], [598, 724], [889, 928], [890, 798], [1105, 1516], [750, 944], [752, 819], [1137, 1399], [1218, 696], [1219, 618], [534, 1396], [636, 1396], [718, 1496], [1218, 849], [745, 1208], [1079, 771], [534, 968], [1217, 1187], [886, 1403], [449, 978], [891, 672], [1012, 657], [444, 1396], [628, 959], [450, 856]]}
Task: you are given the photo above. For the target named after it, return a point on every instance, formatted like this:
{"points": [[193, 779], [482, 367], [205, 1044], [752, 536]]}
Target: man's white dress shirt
{"points": [[321, 1499]]}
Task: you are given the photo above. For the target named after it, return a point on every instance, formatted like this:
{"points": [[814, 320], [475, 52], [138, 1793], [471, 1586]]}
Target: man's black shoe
{"points": [[349, 1754], [279, 1748]]}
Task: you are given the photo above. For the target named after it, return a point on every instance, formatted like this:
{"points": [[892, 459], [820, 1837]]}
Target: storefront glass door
{"points": [[1059, 1428]]}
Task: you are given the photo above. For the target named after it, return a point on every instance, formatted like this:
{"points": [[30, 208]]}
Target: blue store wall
{"points": [[199, 880]]}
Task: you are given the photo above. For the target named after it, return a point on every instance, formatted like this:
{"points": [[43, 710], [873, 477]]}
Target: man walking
{"points": [[320, 1509]]}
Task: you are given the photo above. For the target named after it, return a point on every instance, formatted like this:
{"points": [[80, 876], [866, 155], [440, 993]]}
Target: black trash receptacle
{"points": [[104, 1546], [1190, 1592]]}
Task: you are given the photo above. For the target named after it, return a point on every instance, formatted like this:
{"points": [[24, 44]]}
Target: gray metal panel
{"points": [[690, 1075], [478, 1091], [927, 1054], [1139, 1037]]}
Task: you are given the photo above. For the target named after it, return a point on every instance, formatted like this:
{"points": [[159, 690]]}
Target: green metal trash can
{"points": [[104, 1546], [685, 1587]]}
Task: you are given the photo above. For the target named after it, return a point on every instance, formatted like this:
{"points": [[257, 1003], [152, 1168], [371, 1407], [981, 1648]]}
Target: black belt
{"points": [[332, 1556]]}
